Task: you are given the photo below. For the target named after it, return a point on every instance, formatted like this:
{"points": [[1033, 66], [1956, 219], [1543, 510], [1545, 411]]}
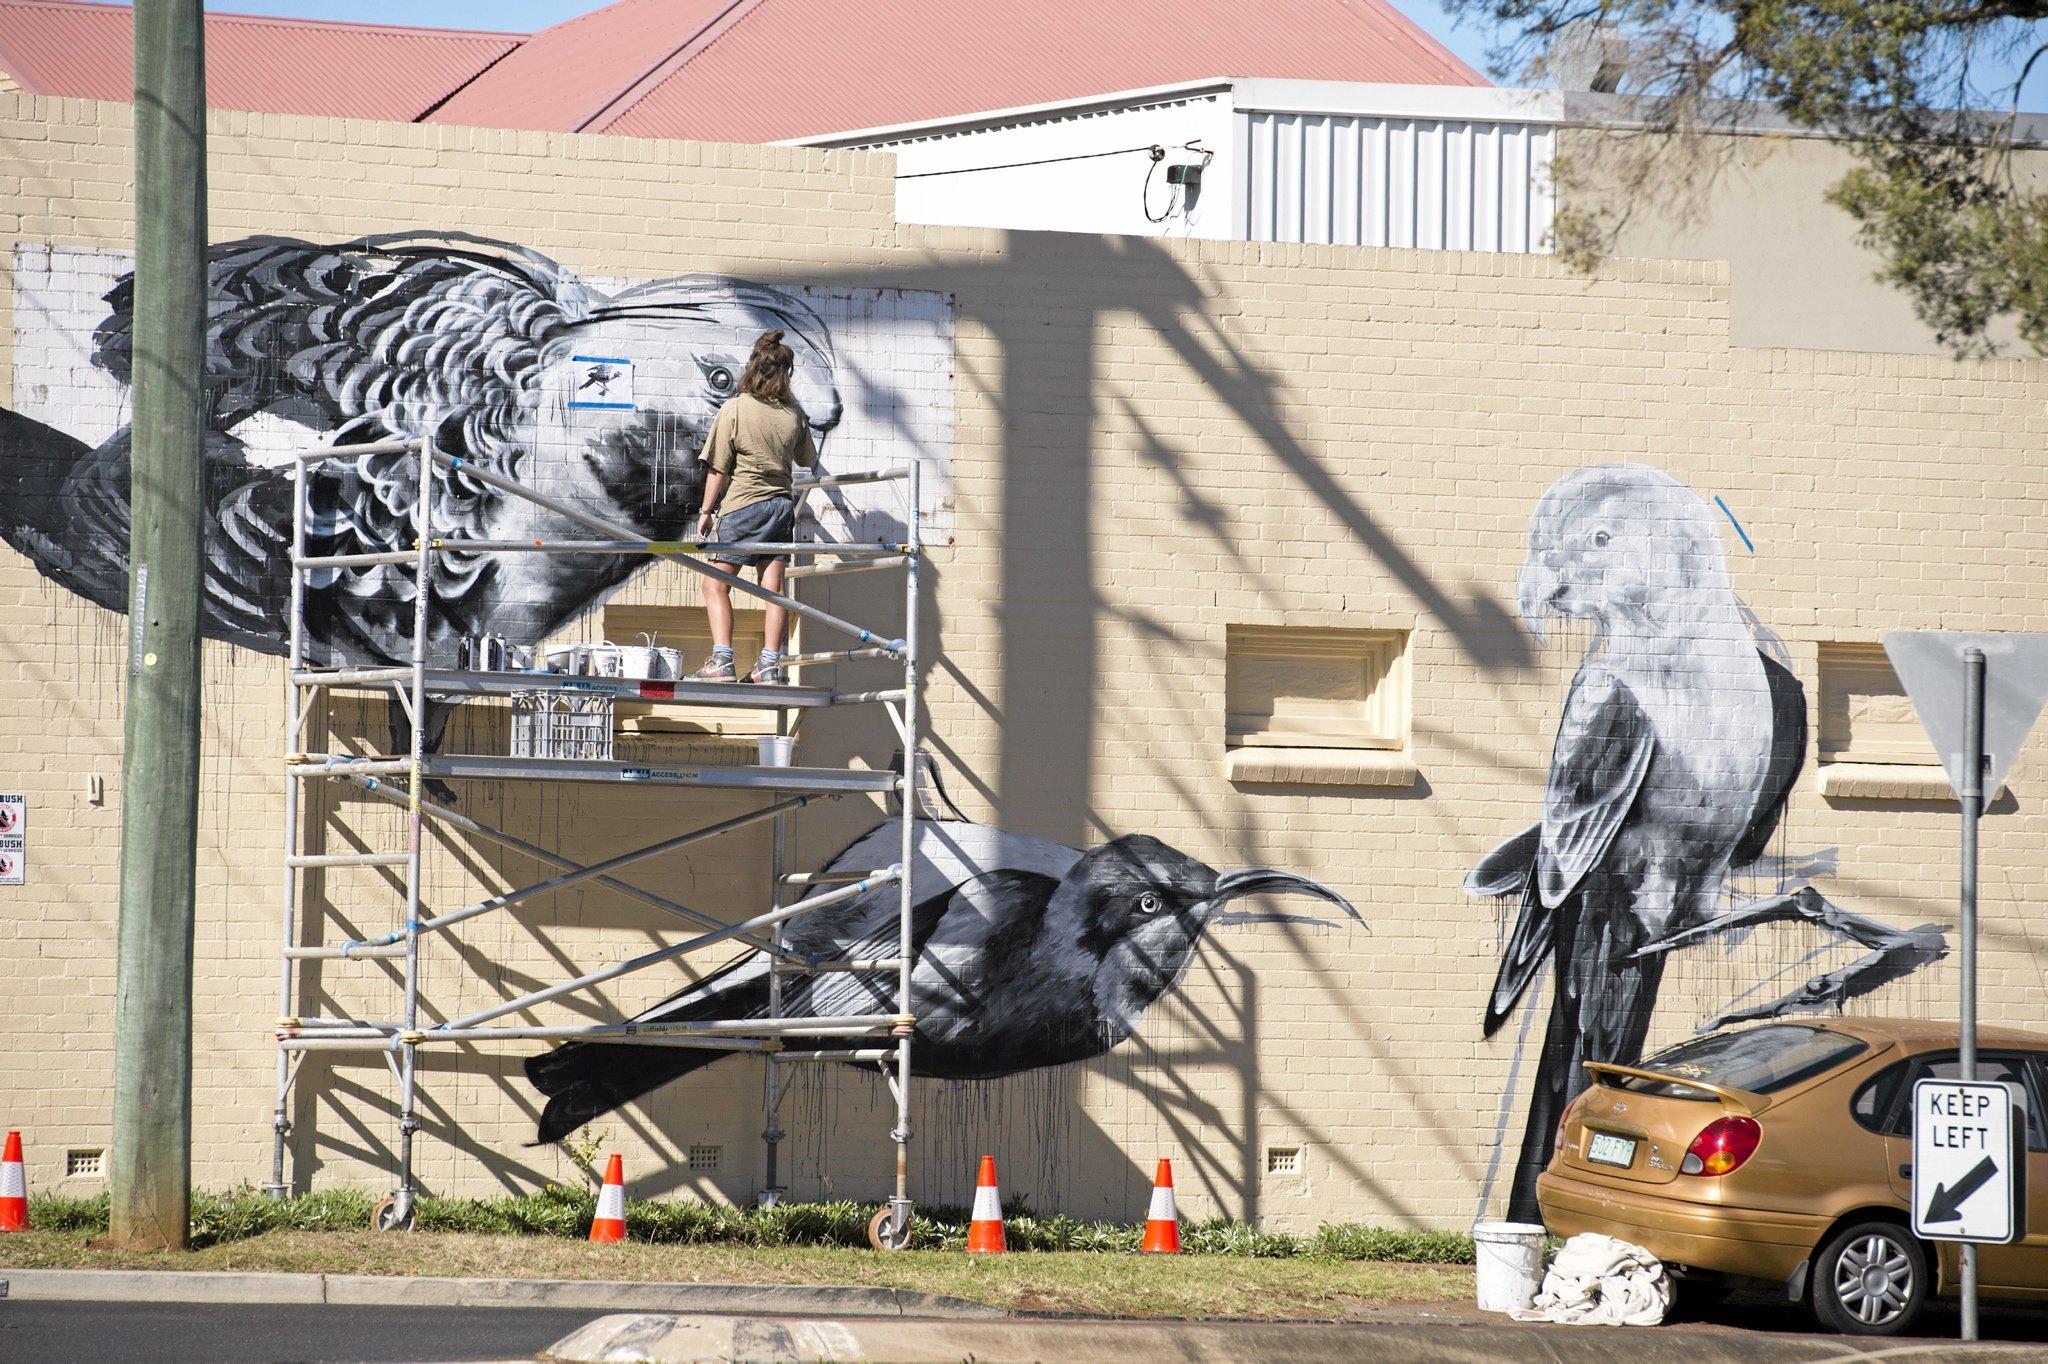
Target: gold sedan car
{"points": [[1783, 1152]]}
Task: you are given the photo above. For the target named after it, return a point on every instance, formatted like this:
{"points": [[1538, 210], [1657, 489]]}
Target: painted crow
{"points": [[1029, 954]]}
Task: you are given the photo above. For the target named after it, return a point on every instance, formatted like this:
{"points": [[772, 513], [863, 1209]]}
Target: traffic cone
{"points": [[985, 1231], [610, 1222], [13, 1187], [1162, 1222]]}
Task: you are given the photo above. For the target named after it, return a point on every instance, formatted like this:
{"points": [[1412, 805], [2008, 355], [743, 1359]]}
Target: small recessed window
{"points": [[1283, 1160], [90, 1163], [1871, 742], [1307, 704], [706, 1157]]}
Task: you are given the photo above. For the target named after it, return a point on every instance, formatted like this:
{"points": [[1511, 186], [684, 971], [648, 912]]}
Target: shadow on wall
{"points": [[1194, 1081]]}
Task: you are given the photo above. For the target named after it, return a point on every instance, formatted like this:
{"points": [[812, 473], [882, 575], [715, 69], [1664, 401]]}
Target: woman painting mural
{"points": [[759, 436]]}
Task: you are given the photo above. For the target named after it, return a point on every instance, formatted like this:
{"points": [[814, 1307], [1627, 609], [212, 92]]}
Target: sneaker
{"points": [[715, 669], [769, 675]]}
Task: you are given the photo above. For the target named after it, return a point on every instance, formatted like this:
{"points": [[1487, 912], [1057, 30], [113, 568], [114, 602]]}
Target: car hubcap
{"points": [[1874, 1280]]}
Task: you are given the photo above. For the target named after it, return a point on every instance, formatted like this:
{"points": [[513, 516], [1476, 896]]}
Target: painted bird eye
{"points": [[1150, 903], [721, 379], [1600, 539]]}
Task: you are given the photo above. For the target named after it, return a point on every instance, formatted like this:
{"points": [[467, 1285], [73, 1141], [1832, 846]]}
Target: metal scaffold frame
{"points": [[401, 780]]}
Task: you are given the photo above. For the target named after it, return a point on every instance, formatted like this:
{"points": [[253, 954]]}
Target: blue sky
{"points": [[1468, 40]]}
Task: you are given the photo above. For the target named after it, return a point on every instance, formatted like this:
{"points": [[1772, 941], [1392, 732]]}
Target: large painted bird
{"points": [[1680, 741], [1028, 954], [473, 342]]}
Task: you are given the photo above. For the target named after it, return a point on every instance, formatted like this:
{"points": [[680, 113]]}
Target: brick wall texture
{"points": [[1152, 441]]}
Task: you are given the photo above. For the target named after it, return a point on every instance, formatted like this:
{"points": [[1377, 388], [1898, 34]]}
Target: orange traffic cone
{"points": [[610, 1222], [985, 1231], [13, 1187], [1162, 1222]]}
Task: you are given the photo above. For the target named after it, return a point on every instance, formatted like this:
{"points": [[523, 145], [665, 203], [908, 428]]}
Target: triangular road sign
{"points": [[1930, 665]]}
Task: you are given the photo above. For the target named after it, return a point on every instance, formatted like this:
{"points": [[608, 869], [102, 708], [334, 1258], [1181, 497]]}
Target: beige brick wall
{"points": [[1154, 441]]}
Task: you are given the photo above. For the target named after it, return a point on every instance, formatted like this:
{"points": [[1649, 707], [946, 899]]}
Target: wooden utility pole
{"points": [[151, 1161]]}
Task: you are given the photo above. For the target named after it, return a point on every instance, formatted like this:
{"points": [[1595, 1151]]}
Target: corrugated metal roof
{"points": [[764, 70], [284, 66]]}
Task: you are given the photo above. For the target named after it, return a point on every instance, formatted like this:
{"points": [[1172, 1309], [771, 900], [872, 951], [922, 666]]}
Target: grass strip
{"points": [[562, 1212], [1083, 1282]]}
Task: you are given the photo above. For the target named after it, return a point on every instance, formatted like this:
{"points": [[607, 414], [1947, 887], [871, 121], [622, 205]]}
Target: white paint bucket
{"points": [[1509, 1258], [777, 750]]}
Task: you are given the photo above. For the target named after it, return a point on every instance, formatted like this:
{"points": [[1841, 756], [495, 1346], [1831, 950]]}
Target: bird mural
{"points": [[467, 341], [1679, 743], [1028, 954]]}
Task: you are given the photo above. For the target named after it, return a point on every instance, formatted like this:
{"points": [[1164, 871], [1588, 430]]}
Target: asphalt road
{"points": [[214, 1333], [1747, 1329]]}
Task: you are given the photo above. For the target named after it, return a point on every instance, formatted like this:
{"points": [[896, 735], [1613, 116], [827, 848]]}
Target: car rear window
{"points": [[1761, 1060]]}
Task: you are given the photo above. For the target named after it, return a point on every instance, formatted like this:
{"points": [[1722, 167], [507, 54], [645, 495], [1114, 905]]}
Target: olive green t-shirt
{"points": [[757, 443]]}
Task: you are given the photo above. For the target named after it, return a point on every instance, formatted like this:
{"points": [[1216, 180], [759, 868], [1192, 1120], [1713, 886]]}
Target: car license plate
{"points": [[1607, 1149]]}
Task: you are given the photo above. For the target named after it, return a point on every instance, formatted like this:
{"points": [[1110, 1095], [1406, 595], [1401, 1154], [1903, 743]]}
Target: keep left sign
{"points": [[1969, 1161]]}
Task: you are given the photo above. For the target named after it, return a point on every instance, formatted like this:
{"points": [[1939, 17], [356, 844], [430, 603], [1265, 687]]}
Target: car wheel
{"points": [[1870, 1279]]}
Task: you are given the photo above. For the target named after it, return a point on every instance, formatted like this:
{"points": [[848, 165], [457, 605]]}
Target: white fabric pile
{"points": [[1600, 1281]]}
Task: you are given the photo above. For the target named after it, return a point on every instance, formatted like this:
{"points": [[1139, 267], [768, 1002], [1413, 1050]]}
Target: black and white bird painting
{"points": [[1679, 743], [1028, 954], [468, 341]]}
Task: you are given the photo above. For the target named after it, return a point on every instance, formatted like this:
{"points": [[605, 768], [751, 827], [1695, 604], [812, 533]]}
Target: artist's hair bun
{"points": [[768, 340]]}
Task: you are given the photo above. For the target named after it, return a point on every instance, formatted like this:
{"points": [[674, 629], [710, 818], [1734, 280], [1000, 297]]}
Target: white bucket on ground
{"points": [[1509, 1259]]}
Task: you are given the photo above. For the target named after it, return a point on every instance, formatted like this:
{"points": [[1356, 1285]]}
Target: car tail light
{"points": [[1563, 1123], [1721, 1147]]}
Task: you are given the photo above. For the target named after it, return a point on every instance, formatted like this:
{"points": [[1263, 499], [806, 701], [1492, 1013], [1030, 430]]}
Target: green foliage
{"points": [[1957, 224], [560, 1211]]}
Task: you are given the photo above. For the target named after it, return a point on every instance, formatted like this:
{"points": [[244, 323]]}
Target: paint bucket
{"points": [[1509, 1260], [777, 750]]}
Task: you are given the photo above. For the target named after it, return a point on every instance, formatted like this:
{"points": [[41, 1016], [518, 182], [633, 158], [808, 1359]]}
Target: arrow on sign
{"points": [[1947, 1203]]}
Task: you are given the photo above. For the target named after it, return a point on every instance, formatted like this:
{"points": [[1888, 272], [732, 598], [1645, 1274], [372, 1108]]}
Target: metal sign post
{"points": [[1977, 755], [1973, 810]]}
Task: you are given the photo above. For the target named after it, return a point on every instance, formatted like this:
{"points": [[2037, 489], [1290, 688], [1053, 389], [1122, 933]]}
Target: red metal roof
{"points": [[278, 66], [764, 70], [739, 70]]}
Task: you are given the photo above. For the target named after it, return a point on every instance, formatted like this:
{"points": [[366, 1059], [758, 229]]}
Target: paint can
{"points": [[777, 750], [1508, 1258]]}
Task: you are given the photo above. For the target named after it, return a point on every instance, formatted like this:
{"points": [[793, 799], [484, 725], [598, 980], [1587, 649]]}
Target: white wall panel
{"points": [[1436, 184]]}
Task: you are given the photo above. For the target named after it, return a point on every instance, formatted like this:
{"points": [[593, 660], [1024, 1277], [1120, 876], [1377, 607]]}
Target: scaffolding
{"points": [[402, 779]]}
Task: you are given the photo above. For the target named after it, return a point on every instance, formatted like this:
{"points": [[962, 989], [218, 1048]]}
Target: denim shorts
{"points": [[771, 520]]}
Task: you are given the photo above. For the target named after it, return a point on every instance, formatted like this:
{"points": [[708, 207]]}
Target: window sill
{"points": [[1320, 767], [1888, 781]]}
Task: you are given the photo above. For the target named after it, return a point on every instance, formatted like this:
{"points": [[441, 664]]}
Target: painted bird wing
{"points": [[355, 342], [1788, 756], [1605, 743]]}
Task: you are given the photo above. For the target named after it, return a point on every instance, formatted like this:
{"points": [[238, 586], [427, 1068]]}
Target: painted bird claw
{"points": [[1894, 952]]}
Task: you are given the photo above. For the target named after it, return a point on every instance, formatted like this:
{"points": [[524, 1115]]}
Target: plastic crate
{"points": [[552, 724]]}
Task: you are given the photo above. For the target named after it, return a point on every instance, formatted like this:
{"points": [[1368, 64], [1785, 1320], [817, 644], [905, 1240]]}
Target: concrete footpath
{"points": [[384, 1290]]}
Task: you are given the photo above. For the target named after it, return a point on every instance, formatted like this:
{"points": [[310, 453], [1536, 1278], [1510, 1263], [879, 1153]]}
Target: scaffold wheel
{"points": [[886, 1231], [389, 1217]]}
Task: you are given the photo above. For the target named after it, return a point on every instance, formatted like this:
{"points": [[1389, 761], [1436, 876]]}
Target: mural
{"points": [[1029, 954], [599, 397], [1680, 740]]}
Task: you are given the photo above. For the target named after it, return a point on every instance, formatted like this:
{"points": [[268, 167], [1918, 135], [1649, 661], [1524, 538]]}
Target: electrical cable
{"points": [[1145, 194], [1157, 151]]}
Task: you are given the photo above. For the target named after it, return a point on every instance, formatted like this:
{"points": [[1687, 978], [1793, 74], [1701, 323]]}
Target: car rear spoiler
{"points": [[1739, 1101]]}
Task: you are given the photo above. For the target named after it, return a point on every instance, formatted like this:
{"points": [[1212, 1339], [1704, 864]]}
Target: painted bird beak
{"points": [[1536, 597], [1247, 881]]}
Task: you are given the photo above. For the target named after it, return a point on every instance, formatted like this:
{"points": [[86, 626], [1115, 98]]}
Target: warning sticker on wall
{"points": [[13, 839], [602, 381]]}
